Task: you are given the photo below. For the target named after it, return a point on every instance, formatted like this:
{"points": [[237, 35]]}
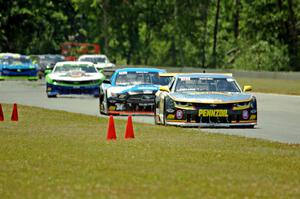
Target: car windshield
{"points": [[140, 77], [70, 67], [56, 58], [165, 80], [47, 59], [94, 60], [204, 84], [15, 61]]}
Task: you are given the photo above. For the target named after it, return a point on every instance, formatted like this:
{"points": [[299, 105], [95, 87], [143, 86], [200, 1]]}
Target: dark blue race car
{"points": [[130, 91]]}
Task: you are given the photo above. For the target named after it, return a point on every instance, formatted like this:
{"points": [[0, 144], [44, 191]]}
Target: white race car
{"points": [[100, 61]]}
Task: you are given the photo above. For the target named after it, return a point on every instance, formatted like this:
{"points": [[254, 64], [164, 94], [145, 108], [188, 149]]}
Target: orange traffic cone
{"points": [[14, 115], [1, 114], [111, 132], [129, 128]]}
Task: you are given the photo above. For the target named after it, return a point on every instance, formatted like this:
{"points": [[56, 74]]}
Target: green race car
{"points": [[71, 77]]}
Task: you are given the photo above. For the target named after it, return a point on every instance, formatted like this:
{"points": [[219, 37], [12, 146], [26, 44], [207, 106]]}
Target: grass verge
{"points": [[55, 154], [266, 85]]}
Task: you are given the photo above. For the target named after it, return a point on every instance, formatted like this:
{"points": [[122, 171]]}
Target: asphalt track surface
{"points": [[278, 115]]}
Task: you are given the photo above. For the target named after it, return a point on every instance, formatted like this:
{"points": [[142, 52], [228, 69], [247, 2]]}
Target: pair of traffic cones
{"points": [[111, 132], [14, 114]]}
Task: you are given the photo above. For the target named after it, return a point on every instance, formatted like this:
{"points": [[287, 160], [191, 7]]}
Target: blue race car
{"points": [[130, 91], [18, 66]]}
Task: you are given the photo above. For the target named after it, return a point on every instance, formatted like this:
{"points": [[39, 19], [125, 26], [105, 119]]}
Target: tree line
{"points": [[239, 34]]}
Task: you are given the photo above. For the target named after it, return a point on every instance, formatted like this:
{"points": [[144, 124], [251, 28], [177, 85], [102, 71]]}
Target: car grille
{"points": [[77, 82], [213, 119], [18, 70], [141, 98]]}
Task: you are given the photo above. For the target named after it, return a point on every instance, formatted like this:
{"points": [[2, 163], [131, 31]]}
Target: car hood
{"points": [[210, 97], [69, 76], [143, 88]]}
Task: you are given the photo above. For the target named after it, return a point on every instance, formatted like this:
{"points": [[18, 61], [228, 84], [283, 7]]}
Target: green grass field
{"points": [[280, 86], [55, 154]]}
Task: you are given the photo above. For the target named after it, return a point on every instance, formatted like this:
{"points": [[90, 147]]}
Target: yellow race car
{"points": [[205, 100]]}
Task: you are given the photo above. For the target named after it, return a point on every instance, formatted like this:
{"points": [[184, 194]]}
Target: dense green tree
{"points": [[241, 34]]}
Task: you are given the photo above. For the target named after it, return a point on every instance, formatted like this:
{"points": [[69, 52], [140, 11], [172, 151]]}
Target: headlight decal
{"points": [[122, 96], [241, 106], [184, 105]]}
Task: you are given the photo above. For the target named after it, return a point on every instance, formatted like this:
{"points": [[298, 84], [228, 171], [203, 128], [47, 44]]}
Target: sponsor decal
{"points": [[120, 107], [245, 114], [185, 78], [76, 74], [171, 116], [213, 113], [179, 114], [112, 108], [146, 104], [169, 110], [252, 117], [253, 111], [147, 92], [205, 78]]}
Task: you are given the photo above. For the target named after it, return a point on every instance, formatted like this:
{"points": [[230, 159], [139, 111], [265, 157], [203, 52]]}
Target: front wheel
{"points": [[249, 126], [156, 117], [103, 106], [163, 122]]}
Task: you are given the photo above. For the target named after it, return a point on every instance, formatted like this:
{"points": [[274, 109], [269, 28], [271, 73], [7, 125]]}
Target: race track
{"points": [[278, 115]]}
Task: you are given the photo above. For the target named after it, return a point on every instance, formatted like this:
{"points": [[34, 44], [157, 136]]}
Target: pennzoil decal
{"points": [[213, 113]]}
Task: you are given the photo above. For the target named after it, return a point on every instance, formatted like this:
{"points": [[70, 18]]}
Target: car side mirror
{"points": [[164, 88], [247, 88], [100, 70], [106, 81]]}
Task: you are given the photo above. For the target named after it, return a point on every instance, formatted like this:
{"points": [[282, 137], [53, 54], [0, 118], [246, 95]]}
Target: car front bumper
{"points": [[225, 125], [230, 118], [72, 90], [140, 104], [30, 74]]}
